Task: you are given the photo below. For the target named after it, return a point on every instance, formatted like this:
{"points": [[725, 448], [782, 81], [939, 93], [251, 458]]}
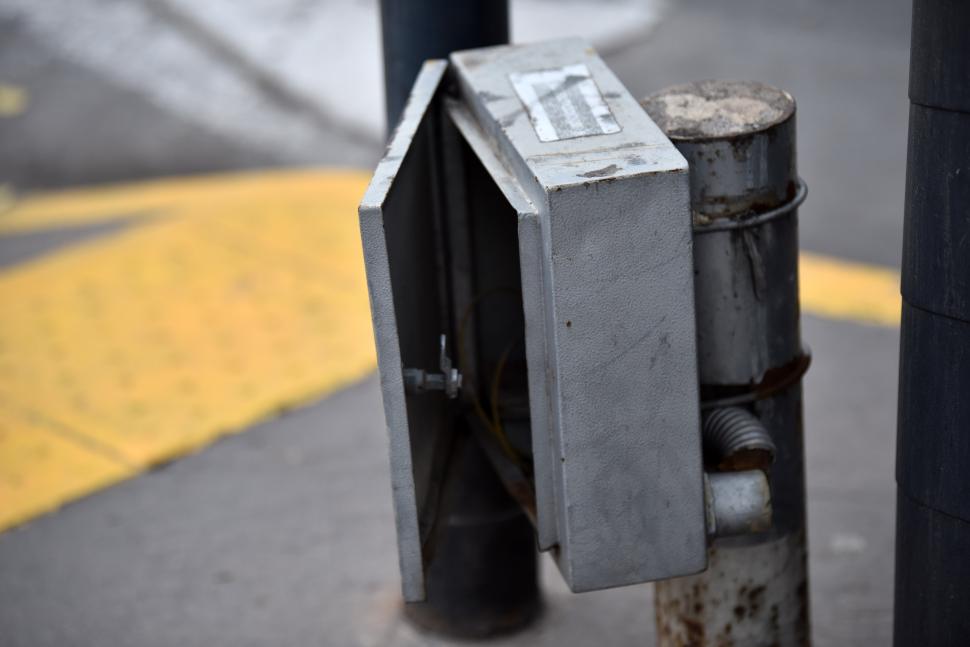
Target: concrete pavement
{"points": [[284, 535]]}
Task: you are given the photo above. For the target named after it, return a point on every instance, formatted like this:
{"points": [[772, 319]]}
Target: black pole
{"points": [[482, 572], [933, 450], [416, 30]]}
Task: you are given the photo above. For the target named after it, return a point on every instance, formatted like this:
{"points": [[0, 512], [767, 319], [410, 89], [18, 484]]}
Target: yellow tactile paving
{"points": [[228, 298], [32, 457], [234, 301], [90, 205]]}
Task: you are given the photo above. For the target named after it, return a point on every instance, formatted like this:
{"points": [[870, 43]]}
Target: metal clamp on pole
{"points": [[738, 503], [704, 224]]}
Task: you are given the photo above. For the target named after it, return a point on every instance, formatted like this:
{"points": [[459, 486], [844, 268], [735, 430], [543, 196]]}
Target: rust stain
{"points": [[774, 381], [695, 630]]}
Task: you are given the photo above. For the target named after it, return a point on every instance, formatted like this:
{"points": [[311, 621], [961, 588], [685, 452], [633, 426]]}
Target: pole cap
{"points": [[718, 109], [738, 138]]}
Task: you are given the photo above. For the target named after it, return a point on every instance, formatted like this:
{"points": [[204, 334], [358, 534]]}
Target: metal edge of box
{"points": [[385, 328], [533, 302]]}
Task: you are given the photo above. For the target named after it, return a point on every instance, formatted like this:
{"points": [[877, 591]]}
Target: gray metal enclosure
{"points": [[588, 364]]}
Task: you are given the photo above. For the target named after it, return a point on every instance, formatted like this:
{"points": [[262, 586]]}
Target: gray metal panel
{"points": [[394, 223], [541, 396], [741, 147], [620, 363], [625, 362]]}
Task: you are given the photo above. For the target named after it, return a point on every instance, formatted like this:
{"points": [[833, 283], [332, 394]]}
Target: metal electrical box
{"points": [[529, 229]]}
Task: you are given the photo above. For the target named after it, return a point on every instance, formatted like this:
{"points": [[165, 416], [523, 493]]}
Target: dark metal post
{"points": [[739, 139], [482, 574], [933, 446], [415, 30]]}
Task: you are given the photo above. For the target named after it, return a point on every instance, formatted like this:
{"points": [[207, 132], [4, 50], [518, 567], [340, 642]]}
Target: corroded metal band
{"points": [[724, 224], [784, 377]]}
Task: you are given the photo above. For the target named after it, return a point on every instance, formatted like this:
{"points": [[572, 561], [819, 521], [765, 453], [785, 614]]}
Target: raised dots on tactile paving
{"points": [[251, 292]]}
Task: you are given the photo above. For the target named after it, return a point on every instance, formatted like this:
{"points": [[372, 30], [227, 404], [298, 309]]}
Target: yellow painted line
{"points": [[242, 298], [7, 199], [203, 195], [838, 289], [13, 100], [244, 294]]}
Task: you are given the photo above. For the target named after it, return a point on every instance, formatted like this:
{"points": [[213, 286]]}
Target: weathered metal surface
{"points": [[399, 254], [753, 597], [735, 138], [740, 140], [739, 503], [703, 225], [737, 343], [617, 380]]}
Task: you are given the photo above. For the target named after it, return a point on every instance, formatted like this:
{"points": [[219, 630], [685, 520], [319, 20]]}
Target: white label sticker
{"points": [[564, 103]]}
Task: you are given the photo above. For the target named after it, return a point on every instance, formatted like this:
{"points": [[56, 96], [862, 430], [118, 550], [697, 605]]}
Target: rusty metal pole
{"points": [[739, 139]]}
